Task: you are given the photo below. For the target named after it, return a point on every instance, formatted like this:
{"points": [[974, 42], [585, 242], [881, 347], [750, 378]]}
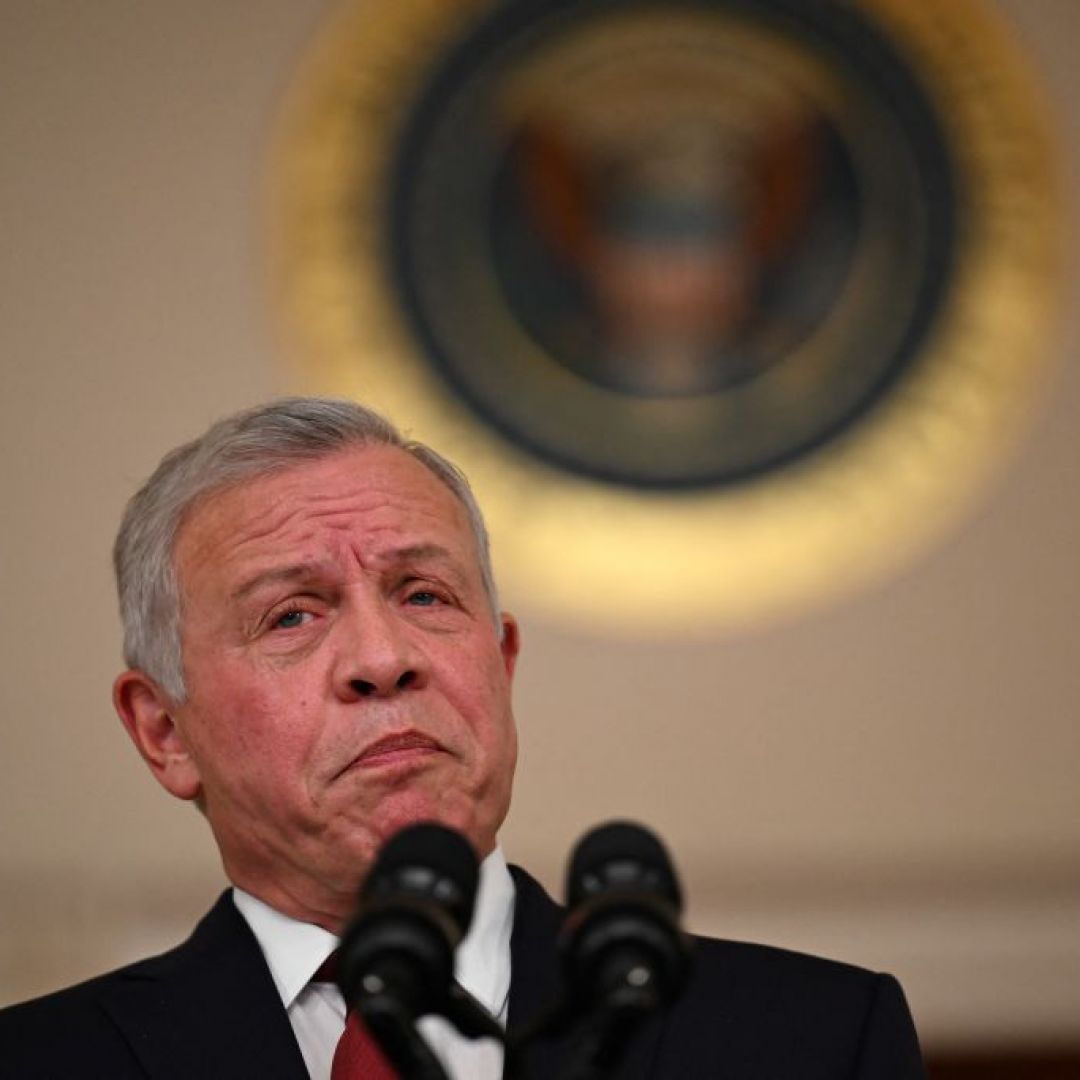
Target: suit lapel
{"points": [[536, 983], [208, 1008]]}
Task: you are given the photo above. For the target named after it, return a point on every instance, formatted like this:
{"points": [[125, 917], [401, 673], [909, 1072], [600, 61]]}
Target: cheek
{"points": [[247, 729], [283, 731], [496, 734]]}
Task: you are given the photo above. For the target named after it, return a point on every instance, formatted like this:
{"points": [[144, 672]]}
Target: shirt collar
{"points": [[294, 950]]}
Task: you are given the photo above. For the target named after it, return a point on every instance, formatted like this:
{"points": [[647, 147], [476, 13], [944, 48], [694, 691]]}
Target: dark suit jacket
{"points": [[209, 1009]]}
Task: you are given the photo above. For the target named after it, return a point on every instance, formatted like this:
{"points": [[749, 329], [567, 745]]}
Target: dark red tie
{"points": [[358, 1056]]}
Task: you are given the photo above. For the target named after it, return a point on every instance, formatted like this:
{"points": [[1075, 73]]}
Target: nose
{"points": [[378, 657]]}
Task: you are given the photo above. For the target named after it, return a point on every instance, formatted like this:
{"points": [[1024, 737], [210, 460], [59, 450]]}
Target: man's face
{"points": [[345, 675]]}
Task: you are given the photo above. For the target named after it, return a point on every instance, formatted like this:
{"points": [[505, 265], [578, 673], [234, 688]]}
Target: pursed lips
{"points": [[395, 747]]}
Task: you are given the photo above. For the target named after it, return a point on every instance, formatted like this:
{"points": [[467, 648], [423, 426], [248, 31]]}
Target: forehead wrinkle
{"points": [[246, 524], [233, 520]]}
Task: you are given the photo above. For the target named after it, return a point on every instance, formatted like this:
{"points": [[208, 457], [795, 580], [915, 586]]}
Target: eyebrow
{"points": [[414, 552], [301, 571], [296, 572], [428, 553]]}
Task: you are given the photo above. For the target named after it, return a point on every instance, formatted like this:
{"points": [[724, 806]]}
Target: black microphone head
{"points": [[620, 943], [430, 863], [396, 957], [617, 856]]}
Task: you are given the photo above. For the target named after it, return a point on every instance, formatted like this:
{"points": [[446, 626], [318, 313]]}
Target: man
{"points": [[316, 659]]}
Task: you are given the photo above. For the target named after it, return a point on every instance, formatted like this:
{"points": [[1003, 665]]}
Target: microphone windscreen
{"points": [[620, 855], [428, 862]]}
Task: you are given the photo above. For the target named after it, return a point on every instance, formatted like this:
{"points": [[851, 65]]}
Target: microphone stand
{"points": [[626, 994], [394, 1029], [475, 1022], [395, 1032], [602, 1044]]}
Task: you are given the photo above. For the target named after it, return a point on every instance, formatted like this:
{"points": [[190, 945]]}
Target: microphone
{"points": [[415, 907], [623, 953], [396, 959]]}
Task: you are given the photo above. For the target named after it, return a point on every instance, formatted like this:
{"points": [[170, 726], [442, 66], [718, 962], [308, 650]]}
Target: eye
{"points": [[289, 620], [423, 598]]}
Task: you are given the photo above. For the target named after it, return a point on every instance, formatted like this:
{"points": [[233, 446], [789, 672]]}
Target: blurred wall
{"points": [[891, 779]]}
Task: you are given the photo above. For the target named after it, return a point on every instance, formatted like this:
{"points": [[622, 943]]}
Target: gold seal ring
{"points": [[469, 204]]}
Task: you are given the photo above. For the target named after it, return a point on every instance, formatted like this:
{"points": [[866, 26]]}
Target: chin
{"points": [[417, 808]]}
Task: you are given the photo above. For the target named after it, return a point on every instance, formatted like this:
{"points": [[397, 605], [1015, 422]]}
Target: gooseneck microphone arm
{"points": [[395, 1032]]}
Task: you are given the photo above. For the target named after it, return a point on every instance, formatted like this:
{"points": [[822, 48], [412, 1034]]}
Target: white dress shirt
{"points": [[295, 950]]}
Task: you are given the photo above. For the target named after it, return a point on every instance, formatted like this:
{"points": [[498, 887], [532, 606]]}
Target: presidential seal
{"points": [[723, 304]]}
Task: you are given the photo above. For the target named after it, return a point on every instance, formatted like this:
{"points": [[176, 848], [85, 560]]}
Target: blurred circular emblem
{"points": [[740, 295]]}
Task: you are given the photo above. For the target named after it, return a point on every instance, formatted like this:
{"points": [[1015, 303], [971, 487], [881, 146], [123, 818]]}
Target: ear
{"points": [[510, 643], [147, 714]]}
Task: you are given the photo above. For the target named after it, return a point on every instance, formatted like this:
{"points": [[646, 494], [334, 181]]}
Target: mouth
{"points": [[403, 747]]}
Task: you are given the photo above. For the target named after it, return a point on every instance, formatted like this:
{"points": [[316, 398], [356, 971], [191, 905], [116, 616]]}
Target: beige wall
{"points": [[892, 778]]}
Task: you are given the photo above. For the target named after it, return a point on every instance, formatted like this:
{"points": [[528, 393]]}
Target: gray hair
{"points": [[242, 447]]}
